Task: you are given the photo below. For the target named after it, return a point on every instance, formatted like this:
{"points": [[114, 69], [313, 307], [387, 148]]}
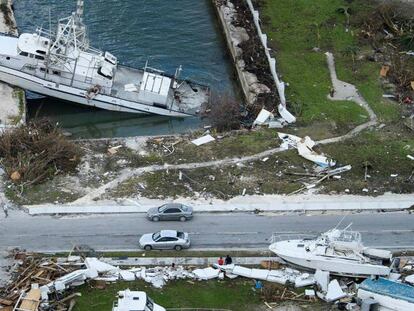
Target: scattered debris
{"points": [[263, 117], [114, 150], [285, 114], [207, 273], [304, 147], [48, 283], [334, 292], [322, 279], [384, 70]]}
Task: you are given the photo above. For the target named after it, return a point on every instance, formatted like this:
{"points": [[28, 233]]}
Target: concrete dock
{"points": [[12, 100]]}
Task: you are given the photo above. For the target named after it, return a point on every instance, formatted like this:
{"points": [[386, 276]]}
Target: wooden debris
{"points": [[29, 301], [31, 270], [384, 71]]}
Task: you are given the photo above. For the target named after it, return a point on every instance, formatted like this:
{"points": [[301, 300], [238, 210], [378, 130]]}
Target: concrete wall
{"points": [[12, 100]]}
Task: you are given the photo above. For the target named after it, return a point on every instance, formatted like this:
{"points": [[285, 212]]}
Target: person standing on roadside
{"points": [[228, 260]]}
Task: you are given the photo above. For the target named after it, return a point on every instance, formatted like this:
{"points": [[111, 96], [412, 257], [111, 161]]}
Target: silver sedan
{"points": [[170, 211], [165, 239]]}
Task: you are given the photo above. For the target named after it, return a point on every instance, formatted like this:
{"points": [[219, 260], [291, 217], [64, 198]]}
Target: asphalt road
{"points": [[207, 231]]}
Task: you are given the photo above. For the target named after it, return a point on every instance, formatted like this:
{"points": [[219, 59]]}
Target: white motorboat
{"points": [[62, 64], [137, 301], [340, 252]]}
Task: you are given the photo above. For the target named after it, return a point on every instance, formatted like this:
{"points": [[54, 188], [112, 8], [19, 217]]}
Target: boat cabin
{"points": [[135, 301]]}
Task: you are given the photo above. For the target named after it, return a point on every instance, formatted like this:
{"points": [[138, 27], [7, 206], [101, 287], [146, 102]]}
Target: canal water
{"points": [[167, 33]]}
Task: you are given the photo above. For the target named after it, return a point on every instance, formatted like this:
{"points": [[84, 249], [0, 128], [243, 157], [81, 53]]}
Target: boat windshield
{"points": [[149, 306], [349, 236]]}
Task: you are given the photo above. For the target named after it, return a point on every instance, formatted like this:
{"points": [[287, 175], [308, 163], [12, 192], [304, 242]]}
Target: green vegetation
{"points": [[168, 253], [225, 182], [236, 295], [15, 120], [385, 152], [241, 143], [301, 33]]}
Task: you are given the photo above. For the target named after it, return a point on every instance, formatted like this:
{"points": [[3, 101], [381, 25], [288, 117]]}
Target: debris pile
{"points": [[48, 283], [35, 152], [30, 273], [305, 149], [255, 66], [390, 30]]}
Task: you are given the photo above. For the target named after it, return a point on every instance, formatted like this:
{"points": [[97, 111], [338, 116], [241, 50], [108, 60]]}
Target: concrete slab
{"points": [[265, 203], [12, 101]]}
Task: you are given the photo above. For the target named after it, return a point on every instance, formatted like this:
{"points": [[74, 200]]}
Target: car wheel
{"points": [[155, 218], [182, 218], [178, 247], [148, 247]]}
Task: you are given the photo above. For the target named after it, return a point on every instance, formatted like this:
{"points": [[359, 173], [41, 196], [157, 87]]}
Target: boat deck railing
{"points": [[278, 237]]}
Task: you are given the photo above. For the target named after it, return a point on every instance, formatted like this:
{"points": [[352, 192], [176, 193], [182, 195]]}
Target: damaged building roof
{"points": [[389, 288]]}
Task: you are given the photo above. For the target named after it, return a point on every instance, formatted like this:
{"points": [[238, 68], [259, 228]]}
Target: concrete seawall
{"points": [[12, 100], [234, 36]]}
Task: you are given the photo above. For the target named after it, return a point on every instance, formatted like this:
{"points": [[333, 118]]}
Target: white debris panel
{"points": [[281, 276], [159, 276], [305, 149], [203, 140]]}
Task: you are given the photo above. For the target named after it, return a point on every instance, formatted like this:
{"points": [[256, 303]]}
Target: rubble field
{"points": [[382, 153], [79, 282]]}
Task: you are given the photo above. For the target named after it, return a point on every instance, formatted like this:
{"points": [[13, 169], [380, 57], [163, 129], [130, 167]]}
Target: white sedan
{"points": [[165, 239]]}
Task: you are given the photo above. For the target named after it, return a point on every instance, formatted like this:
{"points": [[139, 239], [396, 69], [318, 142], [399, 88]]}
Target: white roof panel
{"points": [[8, 46], [31, 43], [156, 84], [165, 86]]}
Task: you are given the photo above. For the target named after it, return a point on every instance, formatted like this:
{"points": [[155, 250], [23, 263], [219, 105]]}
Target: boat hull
{"points": [[71, 94], [335, 266]]}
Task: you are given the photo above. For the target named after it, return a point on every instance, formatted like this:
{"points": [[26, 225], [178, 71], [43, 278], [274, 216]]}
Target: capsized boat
{"points": [[63, 65], [339, 251]]}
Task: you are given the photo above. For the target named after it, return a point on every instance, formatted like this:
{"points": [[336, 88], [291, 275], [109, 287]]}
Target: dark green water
{"points": [[168, 33]]}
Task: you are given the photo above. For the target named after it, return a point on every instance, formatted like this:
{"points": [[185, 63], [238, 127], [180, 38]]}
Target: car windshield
{"points": [[156, 236], [180, 235], [162, 208]]}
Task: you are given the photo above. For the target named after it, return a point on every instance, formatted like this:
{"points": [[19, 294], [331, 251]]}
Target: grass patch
{"points": [[170, 253], [386, 153], [242, 143], [48, 192], [235, 295], [256, 177], [301, 33]]}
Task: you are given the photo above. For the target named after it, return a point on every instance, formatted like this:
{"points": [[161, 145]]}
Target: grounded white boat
{"points": [[61, 64], [340, 252], [136, 301]]}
